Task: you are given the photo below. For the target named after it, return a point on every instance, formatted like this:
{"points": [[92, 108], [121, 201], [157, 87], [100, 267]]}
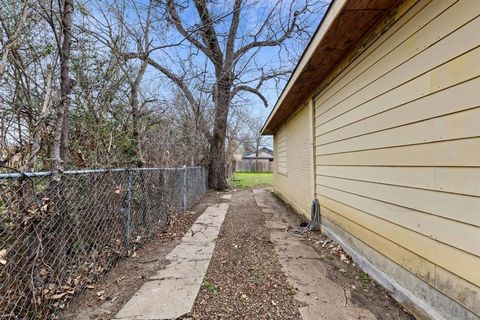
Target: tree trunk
{"points": [[57, 243], [60, 140], [134, 103], [216, 177], [39, 127]]}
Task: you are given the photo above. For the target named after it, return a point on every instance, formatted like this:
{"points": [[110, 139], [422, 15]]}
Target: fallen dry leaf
{"points": [[120, 279], [3, 253], [58, 296]]}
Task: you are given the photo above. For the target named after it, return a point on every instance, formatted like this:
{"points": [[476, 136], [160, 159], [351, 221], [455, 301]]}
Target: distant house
{"points": [[253, 162], [380, 122], [263, 154]]}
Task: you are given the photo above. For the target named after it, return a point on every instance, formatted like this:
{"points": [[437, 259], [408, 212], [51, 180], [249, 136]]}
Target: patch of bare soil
{"points": [[103, 300], [244, 279], [362, 290]]}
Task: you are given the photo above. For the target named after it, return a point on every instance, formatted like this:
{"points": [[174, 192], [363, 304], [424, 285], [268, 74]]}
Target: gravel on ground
{"points": [[244, 279]]}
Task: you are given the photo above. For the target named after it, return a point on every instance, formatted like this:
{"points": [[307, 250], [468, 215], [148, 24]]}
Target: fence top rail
{"points": [[16, 175]]}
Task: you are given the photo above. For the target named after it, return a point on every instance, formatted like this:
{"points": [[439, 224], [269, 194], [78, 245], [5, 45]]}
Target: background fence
{"points": [[253, 166], [58, 237]]}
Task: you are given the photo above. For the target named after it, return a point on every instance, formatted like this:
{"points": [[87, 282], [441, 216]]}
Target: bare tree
{"points": [[27, 83], [61, 26], [125, 55], [255, 139], [235, 133], [231, 46], [12, 34]]}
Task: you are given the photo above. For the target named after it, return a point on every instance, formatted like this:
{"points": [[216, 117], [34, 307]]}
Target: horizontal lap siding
{"points": [[294, 177], [281, 150], [397, 153]]}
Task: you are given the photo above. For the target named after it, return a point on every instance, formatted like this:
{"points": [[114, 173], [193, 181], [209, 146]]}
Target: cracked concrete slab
{"points": [[171, 293], [293, 249], [322, 298], [276, 225], [335, 313]]}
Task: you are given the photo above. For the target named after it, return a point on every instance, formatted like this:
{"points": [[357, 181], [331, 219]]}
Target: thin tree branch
{"points": [[208, 33], [273, 42], [177, 22], [255, 91]]}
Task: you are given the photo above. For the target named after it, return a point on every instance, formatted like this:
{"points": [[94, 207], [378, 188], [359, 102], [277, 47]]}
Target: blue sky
{"points": [[252, 16]]}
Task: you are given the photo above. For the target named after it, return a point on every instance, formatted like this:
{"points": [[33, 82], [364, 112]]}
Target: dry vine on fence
{"points": [[57, 238]]}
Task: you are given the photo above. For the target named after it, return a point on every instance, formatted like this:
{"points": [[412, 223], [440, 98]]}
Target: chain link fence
{"points": [[57, 238]]}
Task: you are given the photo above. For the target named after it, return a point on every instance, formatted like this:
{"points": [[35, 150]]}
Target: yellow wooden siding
{"points": [[294, 137], [453, 286], [397, 153], [404, 99], [448, 35], [281, 150]]}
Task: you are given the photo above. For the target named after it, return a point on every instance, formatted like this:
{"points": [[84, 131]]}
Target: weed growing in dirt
{"points": [[364, 278], [210, 286], [256, 279]]}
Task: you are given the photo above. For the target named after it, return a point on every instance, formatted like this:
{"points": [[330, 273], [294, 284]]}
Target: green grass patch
{"points": [[241, 180], [256, 279], [364, 277], [210, 286]]}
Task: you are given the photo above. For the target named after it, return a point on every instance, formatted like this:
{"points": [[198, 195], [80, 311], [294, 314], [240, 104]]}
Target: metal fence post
{"points": [[163, 197], [202, 180], [184, 189], [205, 179], [145, 202], [128, 220]]}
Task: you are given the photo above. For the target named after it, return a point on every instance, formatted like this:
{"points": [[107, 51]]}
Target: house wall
{"points": [[397, 154], [293, 161]]}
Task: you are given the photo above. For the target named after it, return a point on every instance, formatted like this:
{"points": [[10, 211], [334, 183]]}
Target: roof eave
{"points": [[328, 18], [345, 23]]}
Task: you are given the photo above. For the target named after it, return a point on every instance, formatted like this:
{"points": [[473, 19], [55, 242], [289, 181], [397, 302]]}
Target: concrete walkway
{"points": [[322, 298], [171, 293]]}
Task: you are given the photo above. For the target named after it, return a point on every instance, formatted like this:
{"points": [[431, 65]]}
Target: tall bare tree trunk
{"points": [[134, 103], [217, 178], [60, 140], [56, 247]]}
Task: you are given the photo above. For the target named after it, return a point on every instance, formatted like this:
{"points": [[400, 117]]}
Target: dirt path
{"points": [[244, 279]]}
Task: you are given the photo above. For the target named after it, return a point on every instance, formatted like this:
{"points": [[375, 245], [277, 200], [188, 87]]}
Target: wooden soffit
{"points": [[345, 24]]}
